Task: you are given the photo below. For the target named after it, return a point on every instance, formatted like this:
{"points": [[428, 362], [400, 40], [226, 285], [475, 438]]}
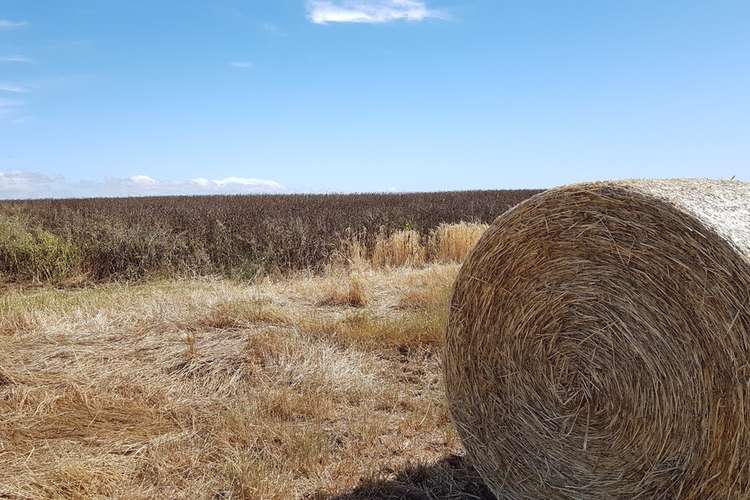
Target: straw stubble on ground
{"points": [[312, 386]]}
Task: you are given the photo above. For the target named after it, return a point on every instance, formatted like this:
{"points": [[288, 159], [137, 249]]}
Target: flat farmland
{"points": [[95, 240], [232, 347]]}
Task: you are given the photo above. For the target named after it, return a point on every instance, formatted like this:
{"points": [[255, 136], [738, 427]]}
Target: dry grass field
{"points": [[99, 240], [309, 385]]}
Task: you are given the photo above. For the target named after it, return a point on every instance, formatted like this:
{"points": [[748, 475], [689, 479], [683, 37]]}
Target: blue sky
{"points": [[193, 96]]}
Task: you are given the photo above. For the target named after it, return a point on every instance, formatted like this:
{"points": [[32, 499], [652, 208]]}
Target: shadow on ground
{"points": [[451, 478]]}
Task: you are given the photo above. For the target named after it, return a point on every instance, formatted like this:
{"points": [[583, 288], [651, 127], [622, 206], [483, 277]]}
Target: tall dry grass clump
{"points": [[453, 242], [448, 243], [401, 248], [599, 342]]}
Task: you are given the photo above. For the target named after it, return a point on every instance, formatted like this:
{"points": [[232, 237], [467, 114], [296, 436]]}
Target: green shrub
{"points": [[29, 253]]}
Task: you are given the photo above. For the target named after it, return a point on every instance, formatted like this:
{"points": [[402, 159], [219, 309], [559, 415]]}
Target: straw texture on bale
{"points": [[598, 344]]}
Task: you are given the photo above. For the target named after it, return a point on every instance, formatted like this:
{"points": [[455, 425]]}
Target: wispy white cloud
{"points": [[242, 64], [369, 11], [237, 184], [9, 108], [138, 185], [6, 24], [20, 184], [272, 29], [10, 103], [15, 59], [22, 119], [11, 87], [143, 181], [17, 184]]}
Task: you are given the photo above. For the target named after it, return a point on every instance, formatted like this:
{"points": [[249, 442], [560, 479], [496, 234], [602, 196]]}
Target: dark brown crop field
{"points": [[239, 236]]}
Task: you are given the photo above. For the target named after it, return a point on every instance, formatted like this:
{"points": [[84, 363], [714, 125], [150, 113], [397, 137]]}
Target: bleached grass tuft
{"points": [[351, 292], [453, 242], [401, 248]]}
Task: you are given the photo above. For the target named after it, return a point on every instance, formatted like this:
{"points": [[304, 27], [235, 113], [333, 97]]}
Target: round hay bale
{"points": [[598, 344]]}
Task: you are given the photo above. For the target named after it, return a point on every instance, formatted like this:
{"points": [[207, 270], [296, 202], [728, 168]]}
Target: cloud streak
{"points": [[15, 59], [242, 64], [6, 24], [9, 103], [19, 184], [272, 29], [10, 87], [369, 11], [9, 107]]}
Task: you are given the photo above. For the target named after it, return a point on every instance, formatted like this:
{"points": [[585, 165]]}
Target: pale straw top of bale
{"points": [[722, 205]]}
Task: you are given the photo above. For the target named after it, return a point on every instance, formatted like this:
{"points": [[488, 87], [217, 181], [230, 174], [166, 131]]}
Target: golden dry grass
{"points": [[211, 389], [349, 293], [448, 243], [401, 248], [453, 242]]}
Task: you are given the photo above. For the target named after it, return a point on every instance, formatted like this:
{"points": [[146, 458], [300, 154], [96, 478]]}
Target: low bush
{"points": [[30, 253]]}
